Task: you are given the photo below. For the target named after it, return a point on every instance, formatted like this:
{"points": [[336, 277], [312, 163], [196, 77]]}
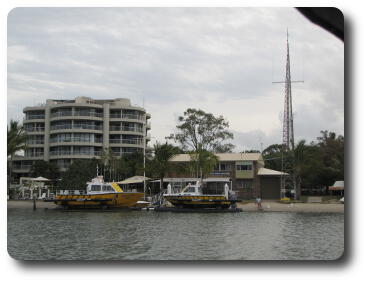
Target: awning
{"points": [[177, 180], [40, 179], [270, 172], [133, 180], [216, 180]]}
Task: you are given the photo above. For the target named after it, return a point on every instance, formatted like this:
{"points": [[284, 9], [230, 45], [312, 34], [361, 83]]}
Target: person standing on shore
{"points": [[258, 202]]}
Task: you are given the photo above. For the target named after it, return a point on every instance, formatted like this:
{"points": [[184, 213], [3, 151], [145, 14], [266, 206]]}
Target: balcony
{"points": [[33, 154], [35, 142], [125, 129], [37, 129], [220, 173], [75, 140], [61, 114], [23, 168], [35, 117], [80, 126], [67, 152], [126, 116], [88, 114], [126, 141]]}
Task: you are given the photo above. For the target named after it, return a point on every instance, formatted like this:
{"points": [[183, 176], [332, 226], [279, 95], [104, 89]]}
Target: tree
{"points": [[316, 165], [130, 165], [108, 162], [199, 130], [78, 174], [273, 156], [16, 138], [160, 163], [45, 169], [203, 162]]}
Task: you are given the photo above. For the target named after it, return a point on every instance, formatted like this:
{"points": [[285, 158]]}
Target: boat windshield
{"points": [[190, 190]]}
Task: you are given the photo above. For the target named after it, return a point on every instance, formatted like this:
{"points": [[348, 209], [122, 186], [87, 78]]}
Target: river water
{"points": [[149, 235]]}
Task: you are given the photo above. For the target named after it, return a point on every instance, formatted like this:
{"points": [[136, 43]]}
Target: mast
{"points": [[288, 164]]}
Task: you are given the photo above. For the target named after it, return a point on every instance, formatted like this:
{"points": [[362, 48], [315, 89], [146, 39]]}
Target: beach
{"points": [[274, 206]]}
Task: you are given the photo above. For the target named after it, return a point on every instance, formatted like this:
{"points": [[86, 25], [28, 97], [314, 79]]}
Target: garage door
{"points": [[270, 187]]}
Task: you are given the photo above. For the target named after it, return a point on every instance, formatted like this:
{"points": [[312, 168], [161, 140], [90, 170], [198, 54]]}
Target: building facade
{"points": [[61, 131], [245, 170]]}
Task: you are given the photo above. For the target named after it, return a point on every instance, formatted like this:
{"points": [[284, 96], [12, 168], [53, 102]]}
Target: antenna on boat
{"points": [[97, 170]]}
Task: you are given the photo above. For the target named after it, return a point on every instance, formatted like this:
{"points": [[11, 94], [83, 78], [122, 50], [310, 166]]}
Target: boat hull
{"points": [[108, 200], [202, 201]]}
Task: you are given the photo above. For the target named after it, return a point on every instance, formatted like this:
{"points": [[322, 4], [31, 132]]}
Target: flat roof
{"points": [[222, 157]]}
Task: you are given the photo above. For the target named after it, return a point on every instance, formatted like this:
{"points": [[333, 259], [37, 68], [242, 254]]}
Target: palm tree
{"points": [[16, 141], [204, 162], [108, 160], [162, 154]]}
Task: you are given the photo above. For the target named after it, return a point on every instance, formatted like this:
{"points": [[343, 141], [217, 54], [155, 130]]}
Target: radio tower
{"points": [[288, 132], [288, 181]]}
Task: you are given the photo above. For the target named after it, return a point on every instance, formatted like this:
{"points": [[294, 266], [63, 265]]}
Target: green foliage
{"points": [[203, 162], [317, 164], [162, 154], [78, 174], [45, 169], [199, 130], [130, 165], [16, 138]]}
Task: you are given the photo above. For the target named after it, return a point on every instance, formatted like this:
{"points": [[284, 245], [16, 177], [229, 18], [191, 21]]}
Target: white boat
{"points": [[199, 196]]}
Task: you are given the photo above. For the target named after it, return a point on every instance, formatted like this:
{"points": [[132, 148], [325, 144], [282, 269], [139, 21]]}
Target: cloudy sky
{"points": [[221, 60]]}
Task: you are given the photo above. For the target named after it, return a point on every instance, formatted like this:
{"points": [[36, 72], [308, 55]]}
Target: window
{"points": [[244, 167], [107, 188], [95, 188]]}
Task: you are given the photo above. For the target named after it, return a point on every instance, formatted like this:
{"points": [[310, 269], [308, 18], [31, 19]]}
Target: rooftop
{"points": [[223, 157]]}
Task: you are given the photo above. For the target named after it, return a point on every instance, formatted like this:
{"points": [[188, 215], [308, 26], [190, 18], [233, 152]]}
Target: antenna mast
{"points": [[288, 181]]}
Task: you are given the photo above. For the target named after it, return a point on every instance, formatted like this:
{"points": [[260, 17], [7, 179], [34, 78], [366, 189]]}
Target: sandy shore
{"points": [[267, 206], [295, 207]]}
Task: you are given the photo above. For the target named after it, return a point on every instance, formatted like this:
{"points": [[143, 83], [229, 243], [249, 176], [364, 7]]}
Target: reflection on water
{"points": [[52, 234]]}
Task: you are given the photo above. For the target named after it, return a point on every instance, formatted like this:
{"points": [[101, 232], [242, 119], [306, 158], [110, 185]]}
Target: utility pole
{"points": [[288, 181]]}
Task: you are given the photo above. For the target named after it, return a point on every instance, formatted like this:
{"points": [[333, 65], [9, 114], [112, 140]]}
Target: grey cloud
{"points": [[174, 57]]}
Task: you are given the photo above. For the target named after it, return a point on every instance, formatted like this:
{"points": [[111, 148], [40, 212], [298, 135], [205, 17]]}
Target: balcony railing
{"points": [[69, 126], [66, 152], [61, 127], [220, 173], [61, 114], [76, 140], [35, 142], [33, 117], [125, 129], [88, 114], [23, 167], [126, 141], [33, 154], [87, 127], [126, 116], [38, 129]]}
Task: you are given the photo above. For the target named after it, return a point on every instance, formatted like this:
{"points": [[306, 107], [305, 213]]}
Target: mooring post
{"points": [[34, 202]]}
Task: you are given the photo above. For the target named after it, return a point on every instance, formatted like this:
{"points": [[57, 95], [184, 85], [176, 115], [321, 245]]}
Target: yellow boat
{"points": [[99, 195]]}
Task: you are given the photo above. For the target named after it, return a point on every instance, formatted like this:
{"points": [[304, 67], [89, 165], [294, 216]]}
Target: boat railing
{"points": [[70, 192], [158, 199]]}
